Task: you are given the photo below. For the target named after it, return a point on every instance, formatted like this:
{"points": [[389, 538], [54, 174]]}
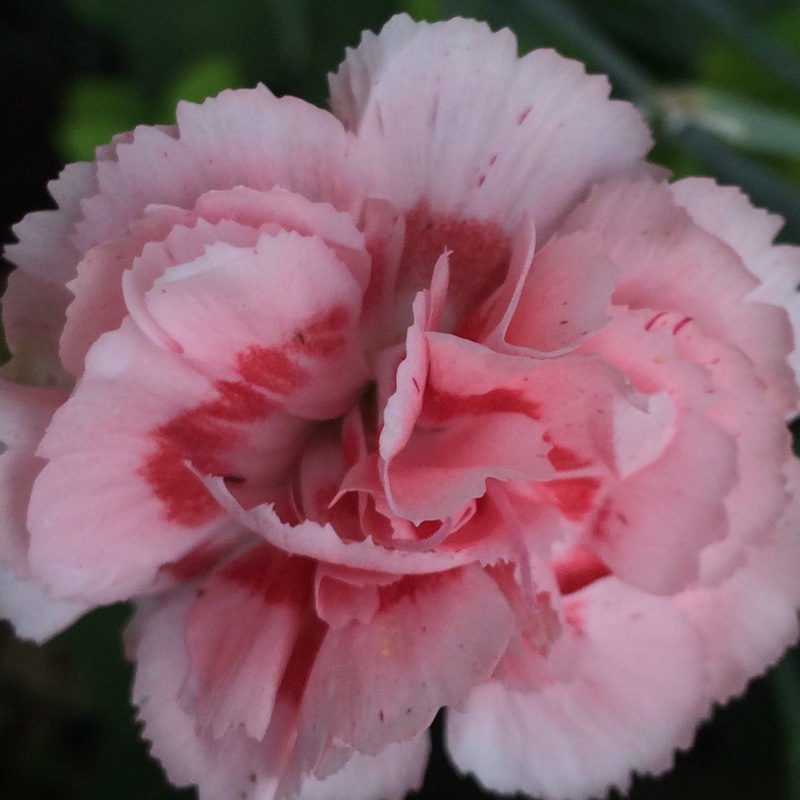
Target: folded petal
{"points": [[294, 333], [668, 263], [726, 213], [478, 420], [652, 527]]}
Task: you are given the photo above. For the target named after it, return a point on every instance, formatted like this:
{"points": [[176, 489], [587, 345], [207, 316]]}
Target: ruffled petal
{"points": [[25, 413], [748, 620], [234, 765], [240, 635], [112, 442], [45, 249], [476, 408], [668, 263], [224, 767], [295, 331], [33, 316], [390, 775], [652, 527], [240, 138], [637, 693], [726, 213], [565, 297], [383, 681], [533, 133], [323, 542], [34, 612]]}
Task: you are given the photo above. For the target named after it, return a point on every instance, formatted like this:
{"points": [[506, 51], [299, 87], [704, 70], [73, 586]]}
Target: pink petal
{"points": [[756, 503], [391, 775], [668, 263], [98, 305], [33, 315], [234, 765], [488, 322], [238, 668], [476, 409], [45, 250], [35, 300], [323, 542], [528, 129], [294, 333], [748, 620], [25, 413], [726, 213], [382, 682], [105, 443], [241, 138], [33, 611], [181, 245], [636, 695], [291, 211], [564, 298], [220, 767], [654, 524], [343, 597], [661, 352]]}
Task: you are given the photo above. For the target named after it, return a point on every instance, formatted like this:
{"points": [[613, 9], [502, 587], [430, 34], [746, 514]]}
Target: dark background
{"points": [[74, 72]]}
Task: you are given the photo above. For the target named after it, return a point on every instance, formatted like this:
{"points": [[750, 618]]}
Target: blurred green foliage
{"points": [[720, 82]]}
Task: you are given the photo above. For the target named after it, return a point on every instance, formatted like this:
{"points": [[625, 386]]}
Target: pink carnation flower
{"points": [[443, 399]]}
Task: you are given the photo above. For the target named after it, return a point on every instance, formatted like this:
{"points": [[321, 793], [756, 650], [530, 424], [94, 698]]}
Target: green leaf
{"points": [[205, 78], [733, 118], [430, 10], [94, 110]]}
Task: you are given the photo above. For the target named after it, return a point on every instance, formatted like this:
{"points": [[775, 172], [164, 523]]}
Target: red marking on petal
{"points": [[653, 321], [573, 614], [562, 458], [600, 526], [272, 369], [406, 587], [681, 324], [351, 446], [440, 406], [573, 496], [238, 402], [261, 571], [201, 436], [323, 337], [524, 115], [492, 161], [186, 500], [578, 569], [479, 253], [323, 496]]}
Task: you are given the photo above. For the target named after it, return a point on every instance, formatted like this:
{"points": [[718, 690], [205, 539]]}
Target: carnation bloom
{"points": [[445, 399]]}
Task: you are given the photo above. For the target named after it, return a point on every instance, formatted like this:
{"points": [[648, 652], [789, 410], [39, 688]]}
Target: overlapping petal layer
{"points": [[444, 399]]}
